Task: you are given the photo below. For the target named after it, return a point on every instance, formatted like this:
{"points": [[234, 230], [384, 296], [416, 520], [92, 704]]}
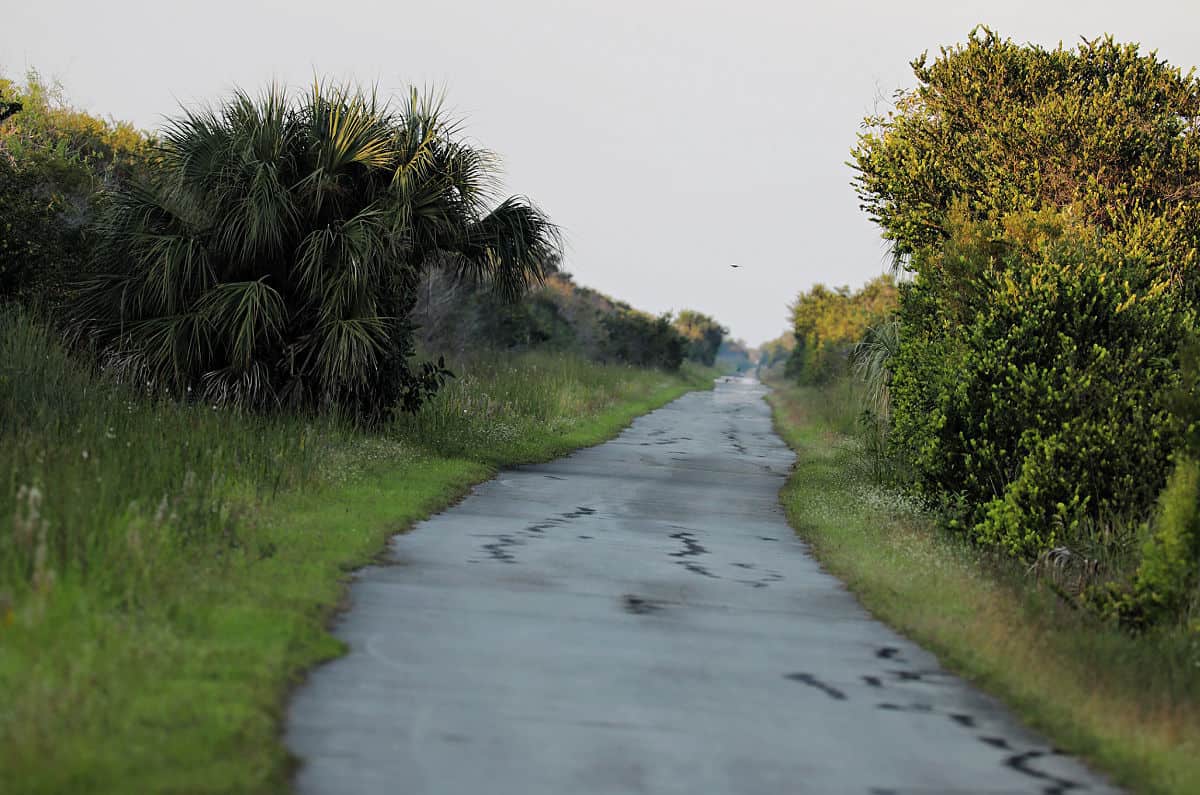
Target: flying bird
{"points": [[734, 265]]}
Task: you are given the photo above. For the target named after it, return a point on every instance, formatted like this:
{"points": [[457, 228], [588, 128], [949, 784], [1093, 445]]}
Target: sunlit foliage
{"points": [[1046, 203], [828, 323]]}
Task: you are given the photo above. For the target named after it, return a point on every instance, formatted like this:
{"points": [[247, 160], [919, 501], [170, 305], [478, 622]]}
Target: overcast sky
{"points": [[668, 138]]}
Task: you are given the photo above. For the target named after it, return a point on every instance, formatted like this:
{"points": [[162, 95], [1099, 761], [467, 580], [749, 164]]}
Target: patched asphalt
{"points": [[638, 617]]}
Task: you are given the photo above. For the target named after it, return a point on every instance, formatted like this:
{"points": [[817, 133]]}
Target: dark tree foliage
{"points": [[53, 160], [643, 340], [703, 334], [271, 256]]}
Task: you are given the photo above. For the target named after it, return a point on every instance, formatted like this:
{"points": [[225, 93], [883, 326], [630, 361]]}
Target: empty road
{"points": [[639, 617]]}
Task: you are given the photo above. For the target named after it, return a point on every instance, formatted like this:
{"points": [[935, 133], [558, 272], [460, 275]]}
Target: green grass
{"points": [[173, 574], [1129, 705]]}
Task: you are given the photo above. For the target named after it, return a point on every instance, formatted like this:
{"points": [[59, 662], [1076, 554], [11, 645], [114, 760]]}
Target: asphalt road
{"points": [[639, 618]]}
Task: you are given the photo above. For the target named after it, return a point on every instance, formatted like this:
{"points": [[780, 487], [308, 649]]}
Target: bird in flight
{"points": [[734, 265]]}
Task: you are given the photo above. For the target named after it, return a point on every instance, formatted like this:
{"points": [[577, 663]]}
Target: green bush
{"points": [[1043, 201], [1165, 584], [53, 161], [643, 340], [1004, 127], [1167, 575], [1039, 399]]}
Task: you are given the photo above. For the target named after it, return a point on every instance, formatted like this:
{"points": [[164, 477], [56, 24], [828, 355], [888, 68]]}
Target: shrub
{"points": [[1002, 127], [1045, 202], [1039, 399], [643, 340], [53, 161], [1165, 583], [271, 256]]}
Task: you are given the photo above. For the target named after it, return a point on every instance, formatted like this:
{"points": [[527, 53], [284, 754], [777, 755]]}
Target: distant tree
{"points": [[734, 356], [642, 340], [776, 351], [271, 256], [703, 334], [828, 323]]}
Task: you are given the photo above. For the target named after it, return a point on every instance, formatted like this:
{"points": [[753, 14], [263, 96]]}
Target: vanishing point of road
{"points": [[638, 617]]}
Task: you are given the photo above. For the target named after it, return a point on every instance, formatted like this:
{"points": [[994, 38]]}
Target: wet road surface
{"points": [[639, 618]]}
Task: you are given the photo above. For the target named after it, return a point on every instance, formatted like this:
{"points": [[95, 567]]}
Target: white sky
{"points": [[668, 138]]}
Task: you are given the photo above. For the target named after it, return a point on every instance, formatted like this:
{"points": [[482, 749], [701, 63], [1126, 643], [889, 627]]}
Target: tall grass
{"points": [[103, 474], [500, 407], [166, 568]]}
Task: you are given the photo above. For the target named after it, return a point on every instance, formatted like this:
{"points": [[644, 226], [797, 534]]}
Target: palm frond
{"points": [[512, 246], [249, 316], [871, 360]]}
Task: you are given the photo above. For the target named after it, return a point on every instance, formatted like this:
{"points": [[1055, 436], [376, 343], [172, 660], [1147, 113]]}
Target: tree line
{"points": [[277, 251]]}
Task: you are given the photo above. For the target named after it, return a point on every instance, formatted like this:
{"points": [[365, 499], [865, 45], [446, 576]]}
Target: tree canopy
{"points": [[1107, 133], [703, 334]]}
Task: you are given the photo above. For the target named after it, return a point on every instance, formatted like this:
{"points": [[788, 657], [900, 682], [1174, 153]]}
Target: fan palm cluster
{"points": [[270, 255]]}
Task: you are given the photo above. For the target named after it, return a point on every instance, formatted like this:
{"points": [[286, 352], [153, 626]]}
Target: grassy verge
{"points": [[1130, 705], [167, 571]]}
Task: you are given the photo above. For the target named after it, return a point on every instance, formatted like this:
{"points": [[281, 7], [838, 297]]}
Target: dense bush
{"points": [[272, 255], [53, 162], [1046, 205], [1039, 400], [1002, 127], [32, 241], [1166, 582], [827, 324]]}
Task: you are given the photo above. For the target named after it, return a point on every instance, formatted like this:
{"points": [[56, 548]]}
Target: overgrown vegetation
{"points": [[561, 315], [271, 255], [1044, 206], [166, 568], [210, 408], [54, 160]]}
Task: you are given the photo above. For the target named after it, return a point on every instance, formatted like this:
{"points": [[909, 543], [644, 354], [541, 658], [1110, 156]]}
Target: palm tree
{"points": [[270, 255]]}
